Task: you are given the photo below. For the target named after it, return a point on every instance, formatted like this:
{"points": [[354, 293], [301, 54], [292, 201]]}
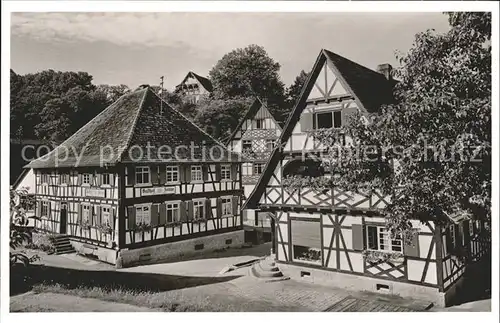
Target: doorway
{"points": [[64, 218]]}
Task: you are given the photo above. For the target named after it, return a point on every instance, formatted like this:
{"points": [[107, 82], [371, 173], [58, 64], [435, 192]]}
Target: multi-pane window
{"points": [[269, 144], [325, 120], [86, 213], [258, 168], [106, 180], [172, 212], [44, 178], [142, 175], [225, 172], [247, 145], [44, 212], [453, 242], [246, 169], [226, 206], [86, 179], [196, 173], [105, 215], [63, 179], [379, 238], [259, 124], [172, 174], [199, 209], [143, 214]]}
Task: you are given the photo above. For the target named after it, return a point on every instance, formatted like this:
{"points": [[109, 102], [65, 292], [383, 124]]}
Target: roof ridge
{"points": [[134, 123], [352, 62]]}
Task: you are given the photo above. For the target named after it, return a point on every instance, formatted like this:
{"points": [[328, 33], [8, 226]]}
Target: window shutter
{"points": [[183, 212], [190, 210], [458, 236], [99, 179], [358, 238], [204, 170], [80, 211], [208, 208], [306, 122], [163, 174], [50, 210], [79, 179], [131, 176], [234, 171], [92, 178], [346, 113], [187, 174], [182, 174], [98, 213], [219, 207], [112, 179], [217, 173], [154, 175], [154, 215], [39, 209], [449, 246], [113, 218], [466, 232], [234, 209], [163, 214], [412, 248], [131, 217]]}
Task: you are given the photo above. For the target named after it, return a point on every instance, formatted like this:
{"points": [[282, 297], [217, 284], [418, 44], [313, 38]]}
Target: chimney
{"points": [[386, 70]]}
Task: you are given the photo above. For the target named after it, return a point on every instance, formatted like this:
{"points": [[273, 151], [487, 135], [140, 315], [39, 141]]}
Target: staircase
{"points": [[62, 245], [267, 270]]}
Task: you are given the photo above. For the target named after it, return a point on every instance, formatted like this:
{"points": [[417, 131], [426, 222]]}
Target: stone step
{"points": [[254, 273], [267, 267]]}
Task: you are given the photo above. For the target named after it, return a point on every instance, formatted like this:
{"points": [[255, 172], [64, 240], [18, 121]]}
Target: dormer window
{"points": [[327, 120]]}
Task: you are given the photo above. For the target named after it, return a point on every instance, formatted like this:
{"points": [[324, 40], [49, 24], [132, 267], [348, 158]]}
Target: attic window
{"points": [[326, 120]]}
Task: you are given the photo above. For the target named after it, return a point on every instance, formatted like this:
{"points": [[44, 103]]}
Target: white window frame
{"points": [[453, 242], [332, 112], [254, 168], [142, 170], [171, 171], [174, 208], [225, 172], [86, 179], [247, 169], [65, 177], [198, 204], [44, 178], [86, 213], [261, 122], [108, 176], [384, 239], [142, 214], [106, 212], [243, 144], [196, 169], [45, 204], [226, 206], [272, 143]]}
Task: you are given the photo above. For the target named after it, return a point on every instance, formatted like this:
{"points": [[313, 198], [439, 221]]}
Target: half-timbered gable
{"points": [[194, 87], [333, 235], [140, 175]]}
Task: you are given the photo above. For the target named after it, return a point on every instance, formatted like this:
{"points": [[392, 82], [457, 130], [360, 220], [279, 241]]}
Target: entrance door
{"points": [[64, 218]]}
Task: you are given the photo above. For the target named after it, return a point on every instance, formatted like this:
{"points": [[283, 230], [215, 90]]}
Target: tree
{"points": [[432, 150], [249, 72], [113, 92], [293, 92], [219, 118]]}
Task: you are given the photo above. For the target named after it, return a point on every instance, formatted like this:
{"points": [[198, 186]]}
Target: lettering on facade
{"points": [[95, 192], [157, 190]]}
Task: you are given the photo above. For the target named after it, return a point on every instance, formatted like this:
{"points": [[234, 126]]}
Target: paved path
{"points": [[50, 302]]}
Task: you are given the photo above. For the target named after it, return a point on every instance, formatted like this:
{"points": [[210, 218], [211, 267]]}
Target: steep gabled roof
{"points": [[252, 110], [130, 125], [370, 89], [203, 81]]}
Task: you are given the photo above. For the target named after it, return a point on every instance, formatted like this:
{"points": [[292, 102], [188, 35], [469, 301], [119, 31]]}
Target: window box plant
{"points": [[375, 256]]}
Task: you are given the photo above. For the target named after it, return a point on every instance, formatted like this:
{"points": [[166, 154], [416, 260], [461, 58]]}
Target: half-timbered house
{"points": [[339, 237], [255, 138], [140, 183], [194, 87]]}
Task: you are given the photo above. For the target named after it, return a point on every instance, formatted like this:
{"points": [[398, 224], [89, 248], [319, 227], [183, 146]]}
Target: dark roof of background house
{"points": [[134, 121], [203, 81]]}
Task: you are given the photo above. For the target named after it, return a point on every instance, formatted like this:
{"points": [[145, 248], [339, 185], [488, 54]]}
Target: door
{"points": [[64, 218]]}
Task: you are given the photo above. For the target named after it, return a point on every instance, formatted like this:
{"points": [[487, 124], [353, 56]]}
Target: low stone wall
{"points": [[107, 255], [363, 283], [180, 249]]}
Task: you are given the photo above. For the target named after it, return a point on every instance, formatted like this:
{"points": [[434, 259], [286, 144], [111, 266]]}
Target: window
{"points": [[86, 179], [306, 241], [247, 169], [196, 173], [378, 238], [173, 212], [63, 179], [225, 172], [44, 212], [142, 175], [270, 144], [259, 124], [143, 214], [106, 179], [453, 242], [325, 120], [172, 174], [199, 209], [258, 168], [44, 178], [247, 145], [471, 228], [105, 215], [86, 213], [226, 206]]}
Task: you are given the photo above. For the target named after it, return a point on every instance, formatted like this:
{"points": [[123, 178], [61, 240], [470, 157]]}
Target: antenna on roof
{"points": [[161, 95]]}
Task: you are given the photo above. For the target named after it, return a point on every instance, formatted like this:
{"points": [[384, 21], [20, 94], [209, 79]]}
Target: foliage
{"points": [[85, 225], [104, 228], [113, 92], [432, 150], [293, 92], [19, 233], [142, 227], [375, 256]]}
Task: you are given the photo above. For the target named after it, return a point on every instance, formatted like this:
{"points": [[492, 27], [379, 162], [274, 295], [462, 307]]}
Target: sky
{"points": [[139, 48]]}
